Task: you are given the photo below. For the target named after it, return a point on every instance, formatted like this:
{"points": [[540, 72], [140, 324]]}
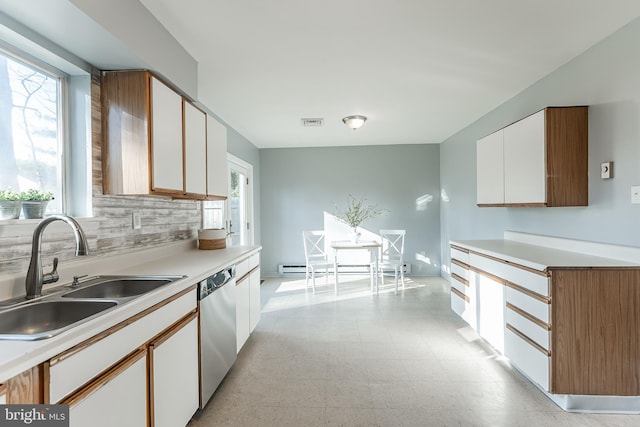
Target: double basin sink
{"points": [[74, 305]]}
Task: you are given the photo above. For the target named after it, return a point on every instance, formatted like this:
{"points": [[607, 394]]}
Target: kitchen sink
{"points": [[45, 319], [119, 287]]}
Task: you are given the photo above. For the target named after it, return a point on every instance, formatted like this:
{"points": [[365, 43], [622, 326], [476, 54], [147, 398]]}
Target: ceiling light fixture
{"points": [[354, 122]]}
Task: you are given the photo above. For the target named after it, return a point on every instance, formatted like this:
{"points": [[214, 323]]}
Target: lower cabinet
{"points": [[243, 328], [173, 365], [117, 398], [248, 302], [155, 383]]}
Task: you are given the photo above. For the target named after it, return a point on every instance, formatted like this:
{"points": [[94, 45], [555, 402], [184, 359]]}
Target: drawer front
{"points": [[254, 261], [460, 286], [242, 268], [460, 255], [76, 369], [533, 306], [534, 331], [460, 271], [464, 309], [537, 283], [532, 362]]}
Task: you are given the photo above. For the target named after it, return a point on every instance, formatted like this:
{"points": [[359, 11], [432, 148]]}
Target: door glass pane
{"points": [[237, 208]]}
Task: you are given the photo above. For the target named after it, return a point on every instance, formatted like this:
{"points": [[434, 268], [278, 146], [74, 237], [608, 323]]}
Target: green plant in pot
{"points": [[9, 204], [34, 203], [357, 212]]}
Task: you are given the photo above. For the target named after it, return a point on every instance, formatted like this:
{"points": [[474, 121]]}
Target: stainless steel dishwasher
{"points": [[217, 300]]}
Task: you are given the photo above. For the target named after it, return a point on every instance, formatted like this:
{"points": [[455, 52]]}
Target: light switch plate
{"points": [[635, 194], [137, 223], [606, 171]]}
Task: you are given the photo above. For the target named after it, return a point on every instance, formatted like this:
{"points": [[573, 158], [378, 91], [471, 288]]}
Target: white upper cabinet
{"points": [[490, 172], [195, 150], [156, 142], [166, 138], [524, 161], [539, 161], [216, 159]]}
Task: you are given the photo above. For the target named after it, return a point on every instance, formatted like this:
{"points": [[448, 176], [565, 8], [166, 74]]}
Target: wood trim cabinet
{"points": [[158, 143], [248, 304], [119, 367], [541, 160], [572, 330], [217, 169]]}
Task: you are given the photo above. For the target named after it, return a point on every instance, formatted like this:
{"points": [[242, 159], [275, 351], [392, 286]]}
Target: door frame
{"points": [[237, 164]]}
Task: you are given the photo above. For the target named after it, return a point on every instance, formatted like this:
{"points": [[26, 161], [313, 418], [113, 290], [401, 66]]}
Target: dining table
{"points": [[372, 246]]}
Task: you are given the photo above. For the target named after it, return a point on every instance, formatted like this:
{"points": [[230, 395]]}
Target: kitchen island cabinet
{"points": [[566, 319]]}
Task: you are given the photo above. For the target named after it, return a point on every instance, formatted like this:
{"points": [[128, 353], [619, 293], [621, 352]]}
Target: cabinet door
{"points": [[254, 299], [490, 310], [243, 310], [195, 150], [490, 169], [174, 375], [166, 139], [119, 398], [216, 158], [524, 160]]}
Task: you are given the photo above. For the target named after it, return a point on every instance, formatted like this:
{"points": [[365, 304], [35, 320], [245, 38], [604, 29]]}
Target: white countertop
{"points": [[540, 258], [181, 258]]}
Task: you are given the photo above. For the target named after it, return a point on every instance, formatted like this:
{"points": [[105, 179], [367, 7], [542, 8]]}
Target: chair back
{"points": [[392, 245], [314, 245]]}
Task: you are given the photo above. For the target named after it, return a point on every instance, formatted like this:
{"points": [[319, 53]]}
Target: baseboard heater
{"points": [[298, 269]]}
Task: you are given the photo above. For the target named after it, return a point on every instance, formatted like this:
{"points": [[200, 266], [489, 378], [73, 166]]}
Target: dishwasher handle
{"points": [[216, 281]]}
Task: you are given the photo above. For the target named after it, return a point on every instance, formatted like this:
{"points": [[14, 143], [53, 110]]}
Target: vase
{"points": [[9, 209], [33, 209], [354, 237]]}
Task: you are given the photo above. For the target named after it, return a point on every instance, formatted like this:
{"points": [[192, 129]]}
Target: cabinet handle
{"points": [[460, 294], [529, 341], [544, 325]]}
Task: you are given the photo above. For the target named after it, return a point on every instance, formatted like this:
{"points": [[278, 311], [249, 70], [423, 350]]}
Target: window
{"points": [[31, 129]]}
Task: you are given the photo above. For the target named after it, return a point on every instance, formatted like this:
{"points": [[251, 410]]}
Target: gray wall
{"points": [[299, 184], [607, 78]]}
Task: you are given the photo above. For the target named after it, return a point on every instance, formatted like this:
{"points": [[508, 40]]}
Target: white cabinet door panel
{"points": [[217, 181], [491, 311], [490, 169], [528, 304], [524, 160], [535, 282], [460, 255], [166, 137], [119, 401], [243, 316], [527, 358], [255, 303], [175, 377], [541, 336], [195, 150]]}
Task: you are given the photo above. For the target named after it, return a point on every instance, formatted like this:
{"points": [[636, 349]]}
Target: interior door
{"points": [[239, 218]]}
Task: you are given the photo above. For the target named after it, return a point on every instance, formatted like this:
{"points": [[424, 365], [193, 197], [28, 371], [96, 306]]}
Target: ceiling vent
{"points": [[312, 123]]}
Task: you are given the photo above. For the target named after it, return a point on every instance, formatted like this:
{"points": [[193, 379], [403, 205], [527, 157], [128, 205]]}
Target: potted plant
{"points": [[9, 204], [34, 203], [357, 212]]}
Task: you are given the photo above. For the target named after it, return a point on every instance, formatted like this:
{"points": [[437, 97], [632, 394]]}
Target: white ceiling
{"points": [[420, 70]]}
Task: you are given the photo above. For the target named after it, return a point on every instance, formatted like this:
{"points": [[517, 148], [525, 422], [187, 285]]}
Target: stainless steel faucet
{"points": [[35, 278]]}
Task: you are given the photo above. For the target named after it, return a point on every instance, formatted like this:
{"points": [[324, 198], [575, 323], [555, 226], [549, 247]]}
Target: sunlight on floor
{"points": [[293, 292]]}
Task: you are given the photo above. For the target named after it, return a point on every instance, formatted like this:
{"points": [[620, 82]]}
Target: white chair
{"points": [[392, 254], [315, 256]]}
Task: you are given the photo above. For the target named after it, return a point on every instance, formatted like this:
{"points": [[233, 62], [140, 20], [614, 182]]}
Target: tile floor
{"points": [[362, 360]]}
